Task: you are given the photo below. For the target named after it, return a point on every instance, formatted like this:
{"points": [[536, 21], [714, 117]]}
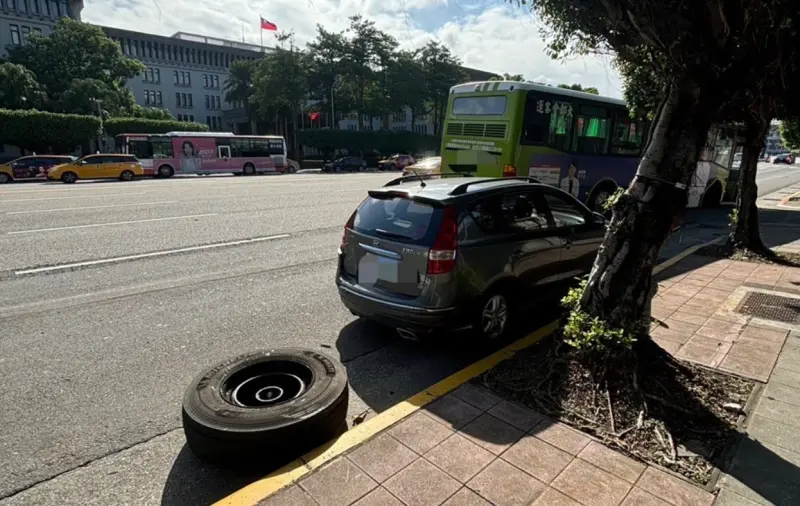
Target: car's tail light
{"points": [[442, 255], [509, 171], [347, 226]]}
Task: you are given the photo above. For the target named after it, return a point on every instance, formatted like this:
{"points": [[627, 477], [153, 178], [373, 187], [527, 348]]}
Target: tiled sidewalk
{"points": [[471, 448], [697, 318]]}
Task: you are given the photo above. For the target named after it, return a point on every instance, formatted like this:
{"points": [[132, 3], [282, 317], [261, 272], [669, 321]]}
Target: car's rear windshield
{"points": [[396, 218]]}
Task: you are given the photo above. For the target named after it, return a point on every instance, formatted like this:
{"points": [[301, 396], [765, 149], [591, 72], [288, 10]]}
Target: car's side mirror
{"points": [[598, 219]]}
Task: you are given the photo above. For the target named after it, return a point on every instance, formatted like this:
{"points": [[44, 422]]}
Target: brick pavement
{"points": [[472, 448]]}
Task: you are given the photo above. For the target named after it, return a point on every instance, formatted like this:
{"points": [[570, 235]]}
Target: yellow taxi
{"points": [[100, 166]]}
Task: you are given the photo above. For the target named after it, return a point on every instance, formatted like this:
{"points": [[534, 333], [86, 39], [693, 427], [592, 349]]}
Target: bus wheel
{"points": [[713, 196], [249, 169], [165, 171], [600, 196]]}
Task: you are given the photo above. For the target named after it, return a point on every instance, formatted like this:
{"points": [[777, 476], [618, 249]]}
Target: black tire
{"points": [[127, 175], [249, 169], [712, 196], [5, 178], [69, 177], [392, 167], [599, 195], [479, 323], [227, 426], [165, 171]]}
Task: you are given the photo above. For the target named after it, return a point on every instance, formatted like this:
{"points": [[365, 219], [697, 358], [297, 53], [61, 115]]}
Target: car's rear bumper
{"points": [[396, 314]]}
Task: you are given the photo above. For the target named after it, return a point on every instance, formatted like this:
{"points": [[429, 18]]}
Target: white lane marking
{"points": [[75, 197], [110, 224], [141, 204], [151, 255], [113, 187]]}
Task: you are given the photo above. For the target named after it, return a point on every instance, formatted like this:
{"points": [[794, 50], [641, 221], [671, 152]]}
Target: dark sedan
{"points": [[346, 164]]}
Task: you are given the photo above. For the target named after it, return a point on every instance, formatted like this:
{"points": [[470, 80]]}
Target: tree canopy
{"points": [[74, 69]]}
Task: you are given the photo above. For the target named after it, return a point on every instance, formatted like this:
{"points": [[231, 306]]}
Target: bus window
{"points": [[162, 148], [143, 150], [536, 122], [591, 130], [628, 136], [479, 106], [723, 149], [560, 125]]}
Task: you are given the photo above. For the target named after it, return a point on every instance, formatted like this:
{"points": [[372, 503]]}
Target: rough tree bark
{"points": [[746, 234], [619, 285]]}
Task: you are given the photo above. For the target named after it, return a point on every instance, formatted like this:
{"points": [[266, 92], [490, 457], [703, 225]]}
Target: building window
{"points": [[205, 80], [35, 6], [157, 75], [26, 32], [207, 102], [190, 100], [183, 99], [63, 5], [159, 98], [217, 102], [15, 35], [175, 77], [177, 99], [55, 8], [216, 81], [23, 5], [37, 31], [10, 5]]}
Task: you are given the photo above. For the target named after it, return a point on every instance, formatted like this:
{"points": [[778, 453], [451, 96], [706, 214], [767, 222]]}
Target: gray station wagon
{"points": [[462, 253]]}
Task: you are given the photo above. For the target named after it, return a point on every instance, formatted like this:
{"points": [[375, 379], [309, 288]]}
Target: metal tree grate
{"points": [[771, 307]]}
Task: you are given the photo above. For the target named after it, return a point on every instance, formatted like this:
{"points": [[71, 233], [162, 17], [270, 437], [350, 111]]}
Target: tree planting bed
{"points": [[646, 404]]}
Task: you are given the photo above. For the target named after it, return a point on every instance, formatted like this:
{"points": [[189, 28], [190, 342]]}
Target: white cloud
{"points": [[488, 35]]}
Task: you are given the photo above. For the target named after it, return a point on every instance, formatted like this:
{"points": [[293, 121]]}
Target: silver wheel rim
{"points": [[494, 317], [268, 389], [127, 176], [3, 177], [69, 178]]}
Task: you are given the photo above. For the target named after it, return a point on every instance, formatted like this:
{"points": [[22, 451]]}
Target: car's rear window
{"points": [[395, 218]]}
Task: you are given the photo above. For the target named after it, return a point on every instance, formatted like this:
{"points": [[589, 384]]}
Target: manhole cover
{"points": [[771, 307]]}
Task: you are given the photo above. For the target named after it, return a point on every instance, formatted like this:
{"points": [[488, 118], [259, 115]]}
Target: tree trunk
{"points": [[746, 234], [619, 286]]}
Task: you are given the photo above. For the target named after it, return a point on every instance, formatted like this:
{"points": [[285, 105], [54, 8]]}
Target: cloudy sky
{"points": [[489, 35]]}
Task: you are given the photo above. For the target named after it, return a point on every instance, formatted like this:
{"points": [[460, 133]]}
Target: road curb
{"points": [[252, 494], [790, 197]]}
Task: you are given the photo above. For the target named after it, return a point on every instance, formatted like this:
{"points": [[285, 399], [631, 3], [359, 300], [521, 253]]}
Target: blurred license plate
{"points": [[387, 269]]}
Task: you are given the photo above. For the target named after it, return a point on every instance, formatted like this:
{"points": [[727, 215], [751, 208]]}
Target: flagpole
{"points": [[262, 33]]}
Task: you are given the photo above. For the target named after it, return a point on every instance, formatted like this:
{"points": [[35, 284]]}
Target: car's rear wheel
{"points": [[494, 317], [392, 167], [4, 178], [127, 175], [265, 408], [69, 177]]}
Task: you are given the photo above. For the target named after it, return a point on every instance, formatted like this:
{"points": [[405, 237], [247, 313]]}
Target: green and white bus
{"points": [[585, 144]]}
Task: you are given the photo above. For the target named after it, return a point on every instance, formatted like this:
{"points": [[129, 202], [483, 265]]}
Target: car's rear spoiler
{"points": [[392, 193]]}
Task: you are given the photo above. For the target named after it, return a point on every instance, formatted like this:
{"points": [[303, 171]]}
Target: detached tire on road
{"points": [[266, 408]]}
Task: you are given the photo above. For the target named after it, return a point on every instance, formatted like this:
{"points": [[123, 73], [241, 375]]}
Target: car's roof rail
{"points": [[462, 188], [413, 177]]}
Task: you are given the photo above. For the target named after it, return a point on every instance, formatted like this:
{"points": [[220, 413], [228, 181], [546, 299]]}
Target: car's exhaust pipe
{"points": [[408, 334]]}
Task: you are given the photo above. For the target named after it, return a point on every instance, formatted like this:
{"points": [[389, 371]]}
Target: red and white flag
{"points": [[266, 25]]}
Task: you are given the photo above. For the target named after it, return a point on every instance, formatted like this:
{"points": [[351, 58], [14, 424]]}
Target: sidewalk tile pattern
{"points": [[696, 319], [507, 455]]}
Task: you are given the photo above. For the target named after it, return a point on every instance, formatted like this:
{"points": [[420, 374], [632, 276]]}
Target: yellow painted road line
{"points": [[790, 197], [294, 471]]}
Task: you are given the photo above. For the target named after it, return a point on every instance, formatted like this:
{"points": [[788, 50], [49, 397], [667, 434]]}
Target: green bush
{"points": [[116, 126], [46, 131], [369, 141]]}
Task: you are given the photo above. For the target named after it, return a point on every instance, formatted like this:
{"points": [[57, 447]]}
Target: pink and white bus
{"points": [[202, 153]]}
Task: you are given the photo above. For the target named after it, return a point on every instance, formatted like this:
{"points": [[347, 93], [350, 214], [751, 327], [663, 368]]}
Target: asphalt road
{"points": [[114, 295]]}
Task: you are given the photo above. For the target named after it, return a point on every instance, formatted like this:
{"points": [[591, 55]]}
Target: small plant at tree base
{"points": [[588, 334], [613, 198], [733, 217]]}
